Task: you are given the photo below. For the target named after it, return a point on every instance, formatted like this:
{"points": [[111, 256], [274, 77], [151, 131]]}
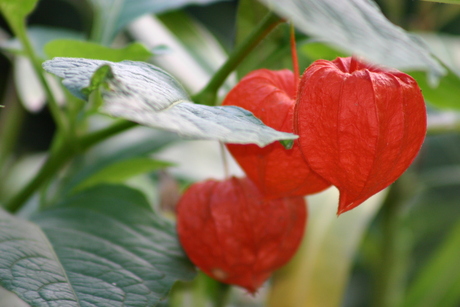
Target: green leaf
{"points": [[112, 15], [316, 50], [121, 171], [82, 49], [115, 151], [16, 11], [103, 247], [198, 41], [145, 94], [359, 27], [445, 95], [437, 283], [288, 144], [28, 265], [39, 37]]}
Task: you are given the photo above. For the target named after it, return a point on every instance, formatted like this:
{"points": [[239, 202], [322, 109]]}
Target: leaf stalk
{"points": [[208, 95]]}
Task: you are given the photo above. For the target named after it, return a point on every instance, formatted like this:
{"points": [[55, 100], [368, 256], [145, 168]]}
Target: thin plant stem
{"points": [[56, 112], [59, 156], [223, 154], [222, 296], [208, 95]]}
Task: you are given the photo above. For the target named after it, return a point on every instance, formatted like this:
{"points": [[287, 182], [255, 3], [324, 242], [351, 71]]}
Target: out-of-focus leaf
{"points": [[438, 168], [318, 273], [39, 37], [89, 50], [198, 41], [121, 171], [113, 15], [445, 1], [146, 94], [316, 50], [133, 144], [16, 11], [359, 27], [445, 47], [437, 284], [445, 95]]}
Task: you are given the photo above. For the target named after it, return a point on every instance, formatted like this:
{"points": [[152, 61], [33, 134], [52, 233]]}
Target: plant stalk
{"points": [[59, 156], [56, 112], [208, 95]]}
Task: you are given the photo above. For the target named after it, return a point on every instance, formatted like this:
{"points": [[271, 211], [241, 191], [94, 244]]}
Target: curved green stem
{"points": [[59, 156], [57, 113], [208, 95]]}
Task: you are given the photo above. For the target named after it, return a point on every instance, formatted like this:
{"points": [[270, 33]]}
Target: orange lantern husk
{"points": [[277, 171], [360, 126], [233, 234]]}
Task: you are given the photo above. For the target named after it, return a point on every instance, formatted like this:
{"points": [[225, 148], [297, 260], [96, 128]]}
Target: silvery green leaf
{"points": [[359, 27], [145, 94], [101, 247]]}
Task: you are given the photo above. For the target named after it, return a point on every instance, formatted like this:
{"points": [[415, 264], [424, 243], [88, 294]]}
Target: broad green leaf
{"points": [[16, 11], [112, 15], [445, 95], [437, 284], [82, 49], [147, 95], [121, 171], [359, 27], [28, 265], [103, 247], [316, 50], [319, 272]]}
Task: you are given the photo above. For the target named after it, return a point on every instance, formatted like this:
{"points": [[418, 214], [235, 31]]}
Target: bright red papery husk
{"points": [[278, 172], [235, 235], [360, 126]]}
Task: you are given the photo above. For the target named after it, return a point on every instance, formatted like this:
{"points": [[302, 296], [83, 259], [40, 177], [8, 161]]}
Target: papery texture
{"points": [[278, 172], [360, 126], [236, 236]]}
